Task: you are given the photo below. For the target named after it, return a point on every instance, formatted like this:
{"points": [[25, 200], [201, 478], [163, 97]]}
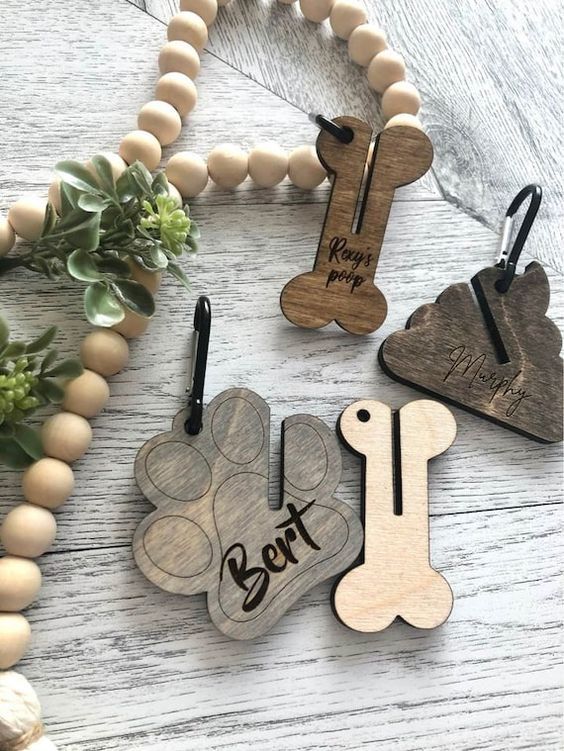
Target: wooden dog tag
{"points": [[396, 577], [213, 530], [341, 286], [496, 356]]}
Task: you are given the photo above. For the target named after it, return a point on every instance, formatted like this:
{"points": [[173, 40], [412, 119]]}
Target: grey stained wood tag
{"points": [[213, 530], [497, 356], [395, 578], [341, 286]]}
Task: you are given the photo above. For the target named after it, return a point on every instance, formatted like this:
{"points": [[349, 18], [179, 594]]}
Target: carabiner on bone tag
{"points": [[200, 344], [342, 134]]}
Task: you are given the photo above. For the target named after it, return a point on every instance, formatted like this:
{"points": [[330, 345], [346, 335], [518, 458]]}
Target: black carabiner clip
{"points": [[508, 258], [342, 134], [200, 344]]}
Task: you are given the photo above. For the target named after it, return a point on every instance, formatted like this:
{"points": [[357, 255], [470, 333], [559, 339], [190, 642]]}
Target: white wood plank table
{"points": [[121, 665]]}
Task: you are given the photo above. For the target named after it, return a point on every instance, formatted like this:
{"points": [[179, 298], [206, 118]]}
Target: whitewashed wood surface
{"points": [[120, 665]]}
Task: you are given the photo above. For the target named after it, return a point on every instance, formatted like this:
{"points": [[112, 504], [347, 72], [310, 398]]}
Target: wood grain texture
{"points": [[341, 286], [121, 665], [213, 530], [496, 355], [487, 73], [395, 578]]}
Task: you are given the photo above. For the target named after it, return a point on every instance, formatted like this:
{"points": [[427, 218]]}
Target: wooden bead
{"points": [[404, 119], [15, 633], [7, 237], [385, 68], [132, 325], [66, 436], [268, 164], [206, 9], [105, 352], [316, 10], [160, 119], [86, 395], [179, 57], [188, 172], [28, 531], [400, 98], [20, 581], [142, 146], [116, 163], [48, 482], [345, 16], [188, 27], [365, 42], [304, 168], [228, 165], [151, 280], [179, 91], [54, 195], [27, 217]]}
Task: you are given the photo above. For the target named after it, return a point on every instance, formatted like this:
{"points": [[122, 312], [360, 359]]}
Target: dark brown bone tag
{"points": [[341, 286]]}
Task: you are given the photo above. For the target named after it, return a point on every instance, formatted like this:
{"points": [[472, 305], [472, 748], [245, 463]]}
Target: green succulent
{"points": [[29, 379], [106, 227]]}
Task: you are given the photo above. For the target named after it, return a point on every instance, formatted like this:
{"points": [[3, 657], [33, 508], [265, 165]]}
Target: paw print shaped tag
{"points": [[213, 529]]}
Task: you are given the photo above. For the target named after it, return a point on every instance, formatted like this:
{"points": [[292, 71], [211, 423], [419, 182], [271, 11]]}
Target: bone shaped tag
{"points": [[396, 577], [213, 530], [496, 356], [341, 286]]}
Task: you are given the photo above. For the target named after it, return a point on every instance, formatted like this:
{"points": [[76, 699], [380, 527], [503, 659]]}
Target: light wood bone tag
{"points": [[497, 356], [341, 286], [396, 577], [213, 530]]}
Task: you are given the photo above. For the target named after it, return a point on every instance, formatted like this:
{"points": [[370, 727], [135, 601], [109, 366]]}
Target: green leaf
{"points": [[126, 188], [48, 360], [76, 174], [112, 265], [135, 296], [101, 307], [49, 221], [66, 369], [91, 203], [4, 332], [14, 349], [51, 391], [12, 455], [69, 198], [29, 440], [142, 177], [194, 230], [104, 171], [42, 342], [179, 274], [82, 266], [159, 185], [86, 235], [158, 258]]}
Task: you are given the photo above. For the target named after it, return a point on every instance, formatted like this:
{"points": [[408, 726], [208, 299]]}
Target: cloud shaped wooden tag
{"points": [[496, 356], [396, 578], [341, 286], [213, 530]]}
